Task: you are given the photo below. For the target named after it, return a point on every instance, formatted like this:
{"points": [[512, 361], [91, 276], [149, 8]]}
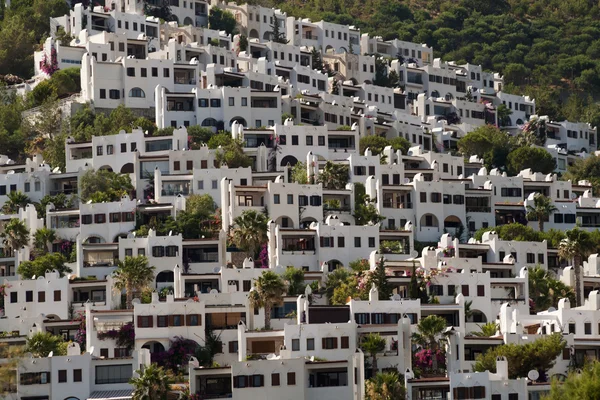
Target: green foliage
{"points": [[42, 343], [104, 185], [133, 274], [539, 355], [198, 135], [269, 289], [385, 386], [39, 266], [545, 290], [233, 155], [43, 239], [60, 201], [294, 278], [372, 344], [299, 174], [585, 169], [365, 212], [15, 201], [222, 139], [487, 330], [221, 20], [489, 143], [540, 210], [250, 231], [15, 235], [62, 82], [334, 176], [581, 385], [539, 160], [380, 279], [153, 383]]}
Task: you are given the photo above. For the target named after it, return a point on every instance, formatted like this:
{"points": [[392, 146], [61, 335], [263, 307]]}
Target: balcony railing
{"points": [[397, 204], [479, 209], [185, 81], [65, 191], [310, 37], [336, 209], [214, 396], [174, 192], [106, 262]]}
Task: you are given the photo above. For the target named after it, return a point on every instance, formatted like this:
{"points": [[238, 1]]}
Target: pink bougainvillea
{"points": [[423, 359], [49, 65]]}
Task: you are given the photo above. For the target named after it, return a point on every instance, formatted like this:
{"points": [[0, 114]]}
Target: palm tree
{"points": [[43, 239], [268, 290], [385, 386], [42, 343], [468, 310], [372, 344], [250, 231], [430, 334], [15, 235], [576, 246], [503, 115], [133, 274], [153, 383], [15, 201], [334, 176], [487, 330], [541, 210]]}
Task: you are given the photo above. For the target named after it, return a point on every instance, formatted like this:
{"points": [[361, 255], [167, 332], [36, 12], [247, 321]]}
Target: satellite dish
{"points": [[170, 233], [56, 170], [214, 291], [396, 297], [271, 356], [533, 375], [11, 172], [50, 354], [33, 277], [89, 202], [551, 309], [92, 350]]}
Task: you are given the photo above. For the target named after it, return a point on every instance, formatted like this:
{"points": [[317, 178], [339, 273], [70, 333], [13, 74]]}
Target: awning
{"points": [[112, 394]]}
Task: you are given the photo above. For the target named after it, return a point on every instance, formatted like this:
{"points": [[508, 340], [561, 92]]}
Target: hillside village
{"points": [[303, 220]]}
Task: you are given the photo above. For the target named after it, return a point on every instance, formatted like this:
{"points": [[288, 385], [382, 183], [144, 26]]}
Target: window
{"points": [[513, 396], [329, 343], [158, 251], [144, 321], [423, 197], [57, 295], [77, 376], [106, 374], [371, 242], [295, 344], [345, 342], [175, 320], [257, 380], [310, 344], [244, 101], [41, 297], [465, 290], [114, 94], [572, 327], [357, 241], [214, 184], [114, 217], [189, 165], [161, 321], [530, 258], [321, 140], [436, 197], [165, 72], [144, 72], [176, 166], [109, 149], [233, 346], [276, 199], [290, 199], [14, 297], [99, 150], [558, 218], [215, 103], [274, 379], [451, 290], [137, 92], [540, 258], [154, 72], [99, 218], [587, 328], [341, 242], [35, 378], [291, 378], [27, 187], [480, 290], [130, 71], [29, 296], [62, 375]]}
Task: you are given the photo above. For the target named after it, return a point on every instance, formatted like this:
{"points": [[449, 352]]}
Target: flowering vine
{"points": [[125, 336], [49, 65]]}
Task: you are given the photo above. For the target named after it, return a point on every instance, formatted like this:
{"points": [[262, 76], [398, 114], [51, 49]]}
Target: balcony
{"points": [[310, 36], [479, 209], [397, 204], [103, 262]]}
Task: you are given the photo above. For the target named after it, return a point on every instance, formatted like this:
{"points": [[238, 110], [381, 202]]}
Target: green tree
{"points": [[159, 9], [41, 264], [399, 143], [334, 176], [539, 160], [381, 280], [541, 210], [59, 200], [276, 35], [385, 386], [153, 383], [104, 185], [299, 174], [317, 60], [17, 44], [202, 204], [15, 235], [489, 143], [294, 278], [198, 135], [581, 385], [269, 289], [539, 355], [334, 280], [233, 155], [133, 274], [585, 169], [488, 329], [431, 331], [504, 114], [42, 343], [43, 239], [545, 290], [373, 344], [374, 143], [576, 247], [15, 201], [221, 20], [220, 139], [250, 231]]}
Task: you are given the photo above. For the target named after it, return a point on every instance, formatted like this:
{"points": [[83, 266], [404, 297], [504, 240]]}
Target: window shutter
{"points": [[321, 241], [139, 320], [170, 319], [236, 382], [231, 347], [150, 321], [188, 320], [262, 380], [335, 346], [345, 342], [199, 319], [323, 343], [250, 381]]}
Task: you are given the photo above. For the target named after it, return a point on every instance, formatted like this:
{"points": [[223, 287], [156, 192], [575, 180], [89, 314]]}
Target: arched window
{"points": [[137, 92], [209, 122], [435, 94]]}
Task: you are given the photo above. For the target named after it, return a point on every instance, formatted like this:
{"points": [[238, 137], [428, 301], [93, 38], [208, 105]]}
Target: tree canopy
{"points": [[39, 266], [104, 185], [539, 160]]}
